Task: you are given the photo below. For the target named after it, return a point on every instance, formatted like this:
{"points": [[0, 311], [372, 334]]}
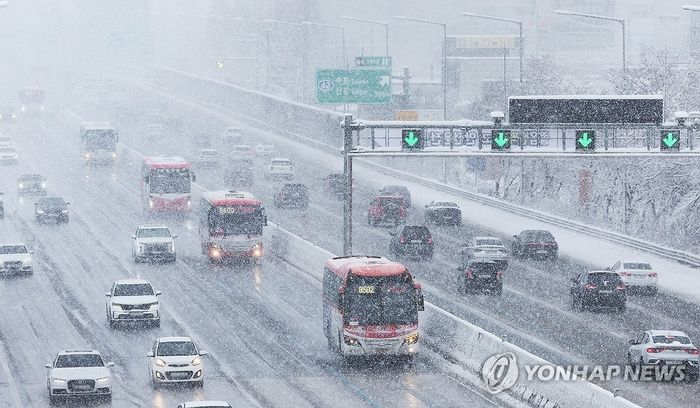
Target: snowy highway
{"points": [[534, 311], [262, 325]]}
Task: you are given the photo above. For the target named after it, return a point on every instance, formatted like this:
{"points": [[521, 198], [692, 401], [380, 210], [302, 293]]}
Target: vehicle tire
{"points": [[156, 323], [339, 347], [498, 291], [199, 384], [107, 399], [574, 306], [174, 259], [581, 305], [629, 360], [692, 375], [30, 272], [112, 323], [54, 399], [621, 309]]}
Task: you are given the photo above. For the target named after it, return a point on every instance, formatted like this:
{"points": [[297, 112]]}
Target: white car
{"points": [[664, 347], [231, 136], [133, 300], [15, 258], [205, 404], [637, 275], [154, 243], [264, 150], [79, 373], [208, 158], [487, 249], [280, 168], [175, 360], [8, 155], [242, 152]]}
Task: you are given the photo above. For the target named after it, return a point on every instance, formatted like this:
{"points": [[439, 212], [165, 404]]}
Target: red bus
{"points": [[166, 184], [370, 306], [231, 225]]}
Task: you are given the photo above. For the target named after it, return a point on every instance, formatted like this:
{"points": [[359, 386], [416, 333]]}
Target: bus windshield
{"points": [[97, 139], [371, 300], [164, 181], [236, 220]]}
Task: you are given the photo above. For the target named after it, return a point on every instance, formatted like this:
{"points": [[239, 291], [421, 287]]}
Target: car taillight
{"points": [[620, 286], [470, 274], [652, 274], [654, 350], [402, 239], [692, 351], [402, 212], [430, 240], [499, 274], [590, 286]]}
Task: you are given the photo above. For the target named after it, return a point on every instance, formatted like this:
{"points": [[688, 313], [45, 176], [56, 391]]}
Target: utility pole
{"points": [[347, 196]]}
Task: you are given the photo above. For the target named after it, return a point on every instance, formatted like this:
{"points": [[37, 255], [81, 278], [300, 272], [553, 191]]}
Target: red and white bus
{"points": [[231, 225], [370, 306], [166, 184]]}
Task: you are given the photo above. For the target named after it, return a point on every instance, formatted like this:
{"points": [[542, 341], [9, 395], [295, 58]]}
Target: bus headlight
{"points": [[257, 250], [412, 339], [87, 156], [114, 155], [215, 251], [150, 203]]}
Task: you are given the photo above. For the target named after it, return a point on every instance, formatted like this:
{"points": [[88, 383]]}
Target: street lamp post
{"points": [[342, 30], [607, 18], [693, 31], [381, 23], [444, 57], [507, 20]]}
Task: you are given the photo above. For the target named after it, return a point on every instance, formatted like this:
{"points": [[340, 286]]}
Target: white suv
{"points": [[175, 360], [15, 258], [79, 373], [665, 347], [153, 242], [133, 300], [637, 275], [280, 168]]}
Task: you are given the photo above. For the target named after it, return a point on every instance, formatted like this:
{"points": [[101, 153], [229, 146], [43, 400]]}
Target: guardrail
{"points": [[459, 341], [665, 252], [321, 128]]}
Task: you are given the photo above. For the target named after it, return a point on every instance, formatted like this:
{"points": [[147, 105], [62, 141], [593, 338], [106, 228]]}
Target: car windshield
{"points": [[236, 220], [176, 348], [294, 188], [537, 236], [638, 265], [444, 204], [391, 202], [13, 249], [489, 241], [242, 148], [170, 182], [96, 139], [668, 339], [7, 149], [4, 139], [133, 289], [208, 153], [153, 232], [52, 202], [600, 277], [79, 360], [416, 232], [372, 300], [281, 163], [482, 268], [31, 177]]}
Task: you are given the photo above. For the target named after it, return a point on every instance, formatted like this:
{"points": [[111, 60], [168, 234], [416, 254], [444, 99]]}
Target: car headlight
{"points": [[43, 185], [189, 203], [412, 339], [116, 306], [153, 305], [103, 380], [257, 250], [87, 156], [160, 363], [58, 381], [64, 211], [171, 247], [20, 185], [197, 361], [141, 248], [39, 211], [27, 261], [114, 155], [150, 203], [24, 108]]}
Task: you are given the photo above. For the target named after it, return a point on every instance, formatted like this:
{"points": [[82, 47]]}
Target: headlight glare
{"points": [[160, 363], [197, 361], [413, 339]]}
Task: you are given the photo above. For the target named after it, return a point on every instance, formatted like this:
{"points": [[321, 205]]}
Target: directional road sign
{"points": [[412, 139], [670, 139], [363, 86], [585, 140], [373, 62], [500, 139]]}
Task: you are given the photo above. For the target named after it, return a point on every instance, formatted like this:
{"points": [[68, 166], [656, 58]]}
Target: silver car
{"points": [[665, 347]]}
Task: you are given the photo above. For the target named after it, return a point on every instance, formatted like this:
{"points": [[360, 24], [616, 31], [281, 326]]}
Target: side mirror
{"points": [[31, 252], [110, 364], [426, 206], [67, 203], [265, 221], [35, 204], [133, 237], [108, 294], [150, 354], [420, 301], [47, 365], [158, 293], [608, 269], [461, 268], [203, 353], [632, 342], [515, 236], [194, 177], [174, 236]]}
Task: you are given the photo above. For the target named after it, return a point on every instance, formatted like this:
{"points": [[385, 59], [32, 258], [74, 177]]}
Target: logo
{"points": [[499, 372], [325, 85]]}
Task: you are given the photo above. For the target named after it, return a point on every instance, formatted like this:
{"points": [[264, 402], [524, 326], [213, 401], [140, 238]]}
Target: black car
{"points": [[294, 195], [7, 114], [481, 275], [598, 289], [334, 185], [537, 244], [31, 184], [51, 208], [396, 190], [412, 241], [443, 213]]}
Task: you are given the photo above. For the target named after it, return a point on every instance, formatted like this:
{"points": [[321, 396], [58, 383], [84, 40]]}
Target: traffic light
{"points": [[585, 140], [500, 139], [670, 139], [412, 139]]}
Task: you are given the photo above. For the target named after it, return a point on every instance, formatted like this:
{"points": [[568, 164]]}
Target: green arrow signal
{"points": [[670, 140], [584, 140], [501, 139], [411, 139]]}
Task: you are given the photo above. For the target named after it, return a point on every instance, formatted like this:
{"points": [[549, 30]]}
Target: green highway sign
{"points": [[500, 139], [362, 86], [670, 139], [412, 139], [585, 140], [373, 62]]}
